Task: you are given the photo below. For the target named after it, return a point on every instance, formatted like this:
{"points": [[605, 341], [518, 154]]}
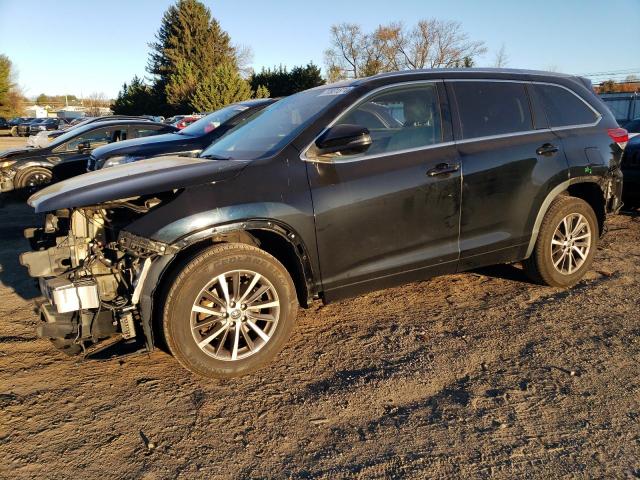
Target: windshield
{"points": [[274, 127], [213, 120]]}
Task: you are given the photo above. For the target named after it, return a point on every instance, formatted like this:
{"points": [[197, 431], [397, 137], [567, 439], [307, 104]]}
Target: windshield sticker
{"points": [[335, 91]]}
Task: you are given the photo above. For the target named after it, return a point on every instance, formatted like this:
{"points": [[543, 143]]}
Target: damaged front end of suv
{"points": [[90, 269], [91, 272]]}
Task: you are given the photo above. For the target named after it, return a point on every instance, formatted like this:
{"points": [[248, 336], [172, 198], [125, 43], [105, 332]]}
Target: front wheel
{"points": [[566, 243], [229, 311], [32, 179]]}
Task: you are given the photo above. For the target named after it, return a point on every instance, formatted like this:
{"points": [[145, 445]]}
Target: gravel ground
{"points": [[478, 375]]}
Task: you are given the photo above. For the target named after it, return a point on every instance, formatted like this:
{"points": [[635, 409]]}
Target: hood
{"points": [[17, 152], [140, 145], [146, 177]]}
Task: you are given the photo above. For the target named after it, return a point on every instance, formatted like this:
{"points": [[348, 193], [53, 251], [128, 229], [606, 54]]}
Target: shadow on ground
{"points": [[15, 216]]}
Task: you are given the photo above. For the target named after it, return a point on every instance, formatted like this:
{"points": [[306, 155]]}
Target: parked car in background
{"points": [[79, 122], [317, 196], [174, 119], [42, 139], [48, 125], [36, 125], [155, 118], [185, 121], [22, 128], [30, 168], [633, 127], [191, 140], [17, 120], [14, 122], [631, 172], [624, 106]]}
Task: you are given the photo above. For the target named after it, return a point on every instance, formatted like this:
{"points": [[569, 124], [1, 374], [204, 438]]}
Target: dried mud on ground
{"points": [[478, 375]]}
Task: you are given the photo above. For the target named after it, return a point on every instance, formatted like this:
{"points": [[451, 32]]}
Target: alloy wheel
{"points": [[235, 315], [37, 180], [571, 243]]}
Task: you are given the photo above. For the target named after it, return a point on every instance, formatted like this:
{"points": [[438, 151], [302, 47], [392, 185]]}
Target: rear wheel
{"points": [[566, 243], [229, 311]]}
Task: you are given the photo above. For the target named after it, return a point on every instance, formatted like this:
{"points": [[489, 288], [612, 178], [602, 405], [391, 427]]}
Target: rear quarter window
{"points": [[563, 107], [492, 108]]}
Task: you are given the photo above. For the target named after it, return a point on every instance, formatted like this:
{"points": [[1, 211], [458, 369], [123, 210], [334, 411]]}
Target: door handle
{"points": [[547, 149], [443, 169]]}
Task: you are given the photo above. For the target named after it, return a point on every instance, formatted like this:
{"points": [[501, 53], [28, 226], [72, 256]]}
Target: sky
{"points": [[82, 47]]}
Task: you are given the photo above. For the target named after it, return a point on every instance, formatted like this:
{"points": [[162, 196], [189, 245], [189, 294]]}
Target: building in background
{"points": [[36, 111]]}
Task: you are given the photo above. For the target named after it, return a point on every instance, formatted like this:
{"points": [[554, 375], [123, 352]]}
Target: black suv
{"points": [[46, 124], [329, 193], [22, 128]]}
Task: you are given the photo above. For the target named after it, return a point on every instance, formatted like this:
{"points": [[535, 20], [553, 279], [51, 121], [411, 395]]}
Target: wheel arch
{"points": [[271, 236], [587, 188]]}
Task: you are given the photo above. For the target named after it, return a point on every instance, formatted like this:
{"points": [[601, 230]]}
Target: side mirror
{"points": [[345, 139]]}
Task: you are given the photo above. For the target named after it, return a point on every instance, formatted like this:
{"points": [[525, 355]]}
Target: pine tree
{"points": [[280, 82], [137, 98], [261, 92], [225, 86], [190, 46]]}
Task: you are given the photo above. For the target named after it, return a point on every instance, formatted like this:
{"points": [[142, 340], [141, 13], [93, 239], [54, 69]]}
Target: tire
{"points": [[14, 131], [540, 267], [192, 287], [32, 178]]}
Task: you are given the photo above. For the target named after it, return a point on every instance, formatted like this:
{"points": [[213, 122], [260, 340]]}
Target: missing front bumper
{"points": [[68, 296]]}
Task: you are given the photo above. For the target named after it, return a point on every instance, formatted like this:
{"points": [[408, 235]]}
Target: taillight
{"points": [[619, 135]]}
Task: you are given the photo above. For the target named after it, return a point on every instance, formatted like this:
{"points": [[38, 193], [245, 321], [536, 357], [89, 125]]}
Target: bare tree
{"points": [[502, 59], [431, 43], [94, 103], [244, 59], [345, 57]]}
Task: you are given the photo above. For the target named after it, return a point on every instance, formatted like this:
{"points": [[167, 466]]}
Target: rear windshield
{"points": [[213, 120]]}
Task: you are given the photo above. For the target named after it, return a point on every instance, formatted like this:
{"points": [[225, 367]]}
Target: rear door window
{"points": [[492, 108], [563, 107]]}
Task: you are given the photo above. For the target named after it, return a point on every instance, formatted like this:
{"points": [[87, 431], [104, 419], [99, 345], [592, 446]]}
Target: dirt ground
{"points": [[477, 375]]}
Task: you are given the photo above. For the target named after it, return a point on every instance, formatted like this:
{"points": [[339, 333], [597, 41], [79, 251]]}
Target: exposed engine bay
{"points": [[90, 272]]}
